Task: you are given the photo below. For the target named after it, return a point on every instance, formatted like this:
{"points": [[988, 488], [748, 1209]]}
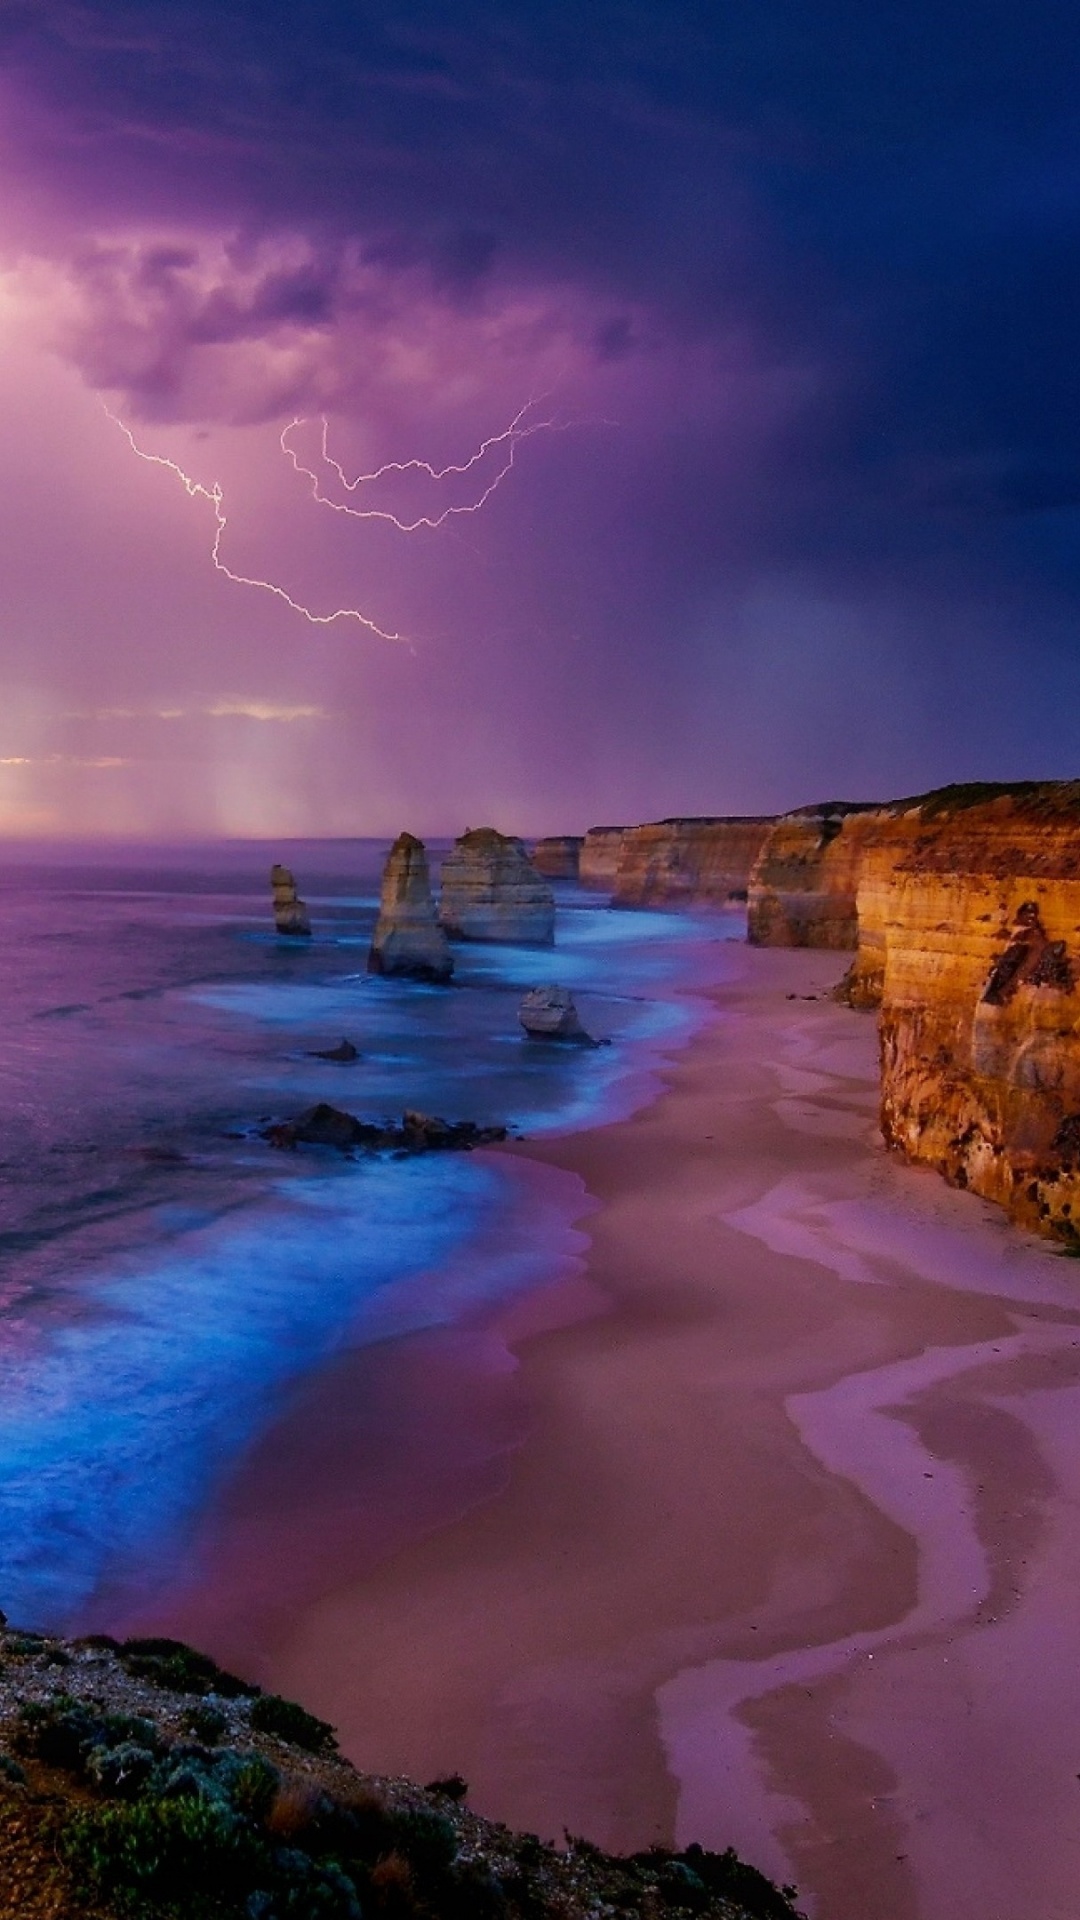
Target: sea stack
{"points": [[290, 913], [492, 891], [408, 938], [549, 1013]]}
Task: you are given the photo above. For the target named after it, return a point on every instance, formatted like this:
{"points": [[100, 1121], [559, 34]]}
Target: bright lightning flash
{"points": [[521, 428], [216, 498]]}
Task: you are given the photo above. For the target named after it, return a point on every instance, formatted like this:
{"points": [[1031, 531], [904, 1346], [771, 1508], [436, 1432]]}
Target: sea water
{"points": [[166, 1275]]}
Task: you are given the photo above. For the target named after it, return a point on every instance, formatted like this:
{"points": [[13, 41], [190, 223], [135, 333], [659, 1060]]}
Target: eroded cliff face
{"points": [[699, 862], [804, 884], [491, 891], [408, 938], [978, 920], [599, 858], [559, 856]]}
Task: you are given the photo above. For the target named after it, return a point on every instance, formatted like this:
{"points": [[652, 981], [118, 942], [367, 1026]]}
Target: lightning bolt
{"points": [[510, 438], [214, 495]]}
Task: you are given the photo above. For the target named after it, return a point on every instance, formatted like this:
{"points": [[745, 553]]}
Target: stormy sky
{"points": [[783, 301]]}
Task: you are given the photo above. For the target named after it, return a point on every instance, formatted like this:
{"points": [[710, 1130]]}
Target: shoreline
{"points": [[689, 1527]]}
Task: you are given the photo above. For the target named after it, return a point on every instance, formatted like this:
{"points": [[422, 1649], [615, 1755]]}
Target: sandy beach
{"points": [[757, 1525]]}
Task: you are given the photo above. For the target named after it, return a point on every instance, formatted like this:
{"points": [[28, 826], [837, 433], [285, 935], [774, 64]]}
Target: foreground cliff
{"points": [[977, 927], [687, 862], [490, 890], [140, 1781]]}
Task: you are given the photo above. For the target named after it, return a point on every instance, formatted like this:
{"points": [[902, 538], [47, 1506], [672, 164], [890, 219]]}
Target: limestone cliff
{"points": [[290, 913], [408, 938], [559, 856], [492, 891], [599, 856], [687, 862], [804, 884], [978, 916]]}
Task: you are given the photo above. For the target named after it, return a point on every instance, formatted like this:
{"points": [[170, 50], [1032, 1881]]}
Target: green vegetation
{"points": [[161, 1821], [283, 1718], [169, 1663]]}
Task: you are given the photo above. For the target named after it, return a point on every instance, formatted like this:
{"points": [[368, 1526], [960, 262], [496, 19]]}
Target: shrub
{"points": [[60, 1731], [184, 1855], [206, 1723], [120, 1771], [452, 1787], [288, 1721], [722, 1874], [169, 1663]]}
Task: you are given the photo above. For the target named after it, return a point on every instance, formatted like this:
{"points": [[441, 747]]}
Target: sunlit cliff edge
{"points": [[962, 909]]}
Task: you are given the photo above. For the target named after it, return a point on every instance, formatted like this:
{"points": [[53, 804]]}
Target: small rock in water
{"points": [[290, 912], [343, 1051], [327, 1126], [549, 1013]]}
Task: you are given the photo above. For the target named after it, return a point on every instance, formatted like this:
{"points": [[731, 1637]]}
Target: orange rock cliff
{"points": [[805, 881], [963, 908], [599, 856], [976, 928], [689, 862]]}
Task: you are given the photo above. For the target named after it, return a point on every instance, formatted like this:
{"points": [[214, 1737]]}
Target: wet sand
{"points": [[759, 1525]]}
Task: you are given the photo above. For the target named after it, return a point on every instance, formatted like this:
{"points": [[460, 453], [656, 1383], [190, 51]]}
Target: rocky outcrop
{"points": [[327, 1126], [408, 938], [559, 856], [492, 891], [688, 862], [804, 886], [599, 858], [290, 913], [549, 1013], [978, 924], [345, 1052]]}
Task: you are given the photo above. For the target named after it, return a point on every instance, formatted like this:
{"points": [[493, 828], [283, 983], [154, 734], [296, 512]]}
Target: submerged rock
{"points": [[408, 938], [326, 1126], [290, 913], [343, 1051], [549, 1013], [492, 891]]}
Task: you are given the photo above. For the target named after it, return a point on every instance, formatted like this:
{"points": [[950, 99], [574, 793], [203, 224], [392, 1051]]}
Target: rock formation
{"points": [[290, 913], [491, 891], [549, 1013], [344, 1052], [804, 885], [559, 856], [977, 925], [691, 862], [408, 938], [327, 1126], [599, 857]]}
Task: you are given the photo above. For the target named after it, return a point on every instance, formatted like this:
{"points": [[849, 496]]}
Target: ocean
{"points": [[166, 1277]]}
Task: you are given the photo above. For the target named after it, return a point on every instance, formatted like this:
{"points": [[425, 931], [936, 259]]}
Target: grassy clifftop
{"points": [[138, 1781]]}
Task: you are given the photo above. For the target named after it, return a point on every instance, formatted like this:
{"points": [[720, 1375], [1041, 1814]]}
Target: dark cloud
{"points": [[866, 219]]}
